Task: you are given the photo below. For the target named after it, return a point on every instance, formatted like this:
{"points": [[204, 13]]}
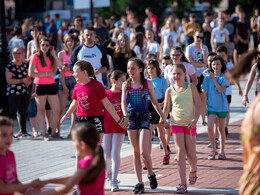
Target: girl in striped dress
{"points": [[185, 101]]}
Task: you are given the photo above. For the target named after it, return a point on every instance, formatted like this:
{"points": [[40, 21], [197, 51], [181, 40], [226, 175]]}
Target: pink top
{"points": [[89, 98], [39, 69], [97, 186], [66, 62], [111, 126], [8, 169]]}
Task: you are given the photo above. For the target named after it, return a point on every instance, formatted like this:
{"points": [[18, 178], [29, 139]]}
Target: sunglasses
{"points": [[45, 45], [199, 37], [17, 53]]}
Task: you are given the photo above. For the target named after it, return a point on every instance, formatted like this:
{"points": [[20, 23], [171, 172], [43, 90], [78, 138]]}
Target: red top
{"points": [[97, 186], [39, 69], [8, 169], [154, 19], [89, 98], [111, 126]]}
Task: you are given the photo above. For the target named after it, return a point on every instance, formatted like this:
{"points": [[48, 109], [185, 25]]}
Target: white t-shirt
{"points": [[152, 48], [137, 51], [219, 37], [170, 39], [197, 56], [229, 89], [168, 72]]}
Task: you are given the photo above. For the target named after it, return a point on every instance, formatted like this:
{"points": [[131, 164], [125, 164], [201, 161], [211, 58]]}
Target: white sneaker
{"points": [[114, 186]]}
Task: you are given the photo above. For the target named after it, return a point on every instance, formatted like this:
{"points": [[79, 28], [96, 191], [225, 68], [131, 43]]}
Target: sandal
{"points": [[222, 156], [181, 189], [35, 134], [192, 180], [212, 155]]}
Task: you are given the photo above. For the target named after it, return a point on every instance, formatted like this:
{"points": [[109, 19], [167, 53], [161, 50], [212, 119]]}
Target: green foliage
{"points": [[118, 7]]}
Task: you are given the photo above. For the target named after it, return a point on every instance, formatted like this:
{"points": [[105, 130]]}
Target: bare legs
{"points": [[140, 145]]}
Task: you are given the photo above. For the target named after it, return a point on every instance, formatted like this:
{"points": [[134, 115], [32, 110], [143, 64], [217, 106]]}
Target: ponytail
{"points": [[87, 133], [96, 168], [244, 65], [84, 65]]}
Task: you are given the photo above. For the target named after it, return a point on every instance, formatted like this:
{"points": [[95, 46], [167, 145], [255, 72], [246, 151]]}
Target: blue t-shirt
{"points": [[159, 85], [217, 102]]}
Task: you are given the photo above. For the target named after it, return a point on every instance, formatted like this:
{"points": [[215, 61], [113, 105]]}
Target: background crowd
{"points": [[46, 64]]}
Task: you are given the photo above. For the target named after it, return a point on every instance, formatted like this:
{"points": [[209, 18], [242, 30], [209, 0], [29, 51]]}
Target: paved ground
{"points": [[38, 159]]}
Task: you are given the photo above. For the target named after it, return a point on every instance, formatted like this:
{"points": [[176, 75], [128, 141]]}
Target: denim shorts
{"points": [[70, 82], [32, 109], [138, 120]]}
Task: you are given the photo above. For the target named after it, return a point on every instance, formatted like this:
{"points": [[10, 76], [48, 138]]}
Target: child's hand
{"points": [[211, 75], [35, 183], [192, 125], [124, 123], [164, 123], [63, 119], [31, 191]]}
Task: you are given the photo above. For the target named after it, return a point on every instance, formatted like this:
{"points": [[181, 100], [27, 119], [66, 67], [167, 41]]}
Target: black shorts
{"points": [[98, 121], [154, 116], [200, 81], [39, 89], [241, 48], [229, 99]]}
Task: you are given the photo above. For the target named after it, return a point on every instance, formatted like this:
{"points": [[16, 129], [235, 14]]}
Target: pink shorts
{"points": [[183, 129]]}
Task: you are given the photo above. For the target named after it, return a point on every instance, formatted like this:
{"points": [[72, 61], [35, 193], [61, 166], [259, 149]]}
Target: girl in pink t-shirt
{"points": [[9, 182], [114, 134], [43, 67], [90, 174], [67, 81], [89, 97]]}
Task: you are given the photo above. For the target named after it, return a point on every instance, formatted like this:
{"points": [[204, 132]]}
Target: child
{"points": [[222, 52], [214, 89], [135, 109], [90, 174], [9, 182], [185, 101], [160, 85], [166, 60], [114, 134], [89, 97], [67, 81]]}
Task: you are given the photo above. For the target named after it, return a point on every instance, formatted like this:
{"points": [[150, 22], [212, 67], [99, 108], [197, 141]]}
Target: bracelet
{"points": [[119, 120], [244, 95], [125, 116]]}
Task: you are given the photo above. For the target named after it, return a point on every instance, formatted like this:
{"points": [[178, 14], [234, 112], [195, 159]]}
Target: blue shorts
{"points": [[138, 120], [32, 109], [70, 83]]}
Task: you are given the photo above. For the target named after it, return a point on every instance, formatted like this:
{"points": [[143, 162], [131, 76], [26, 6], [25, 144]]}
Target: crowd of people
{"points": [[119, 79]]}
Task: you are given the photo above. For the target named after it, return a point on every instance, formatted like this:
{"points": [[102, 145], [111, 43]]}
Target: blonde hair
{"points": [[128, 53]]}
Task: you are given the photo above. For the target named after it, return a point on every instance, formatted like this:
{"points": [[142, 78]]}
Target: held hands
{"points": [[164, 123], [245, 100], [124, 122]]}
